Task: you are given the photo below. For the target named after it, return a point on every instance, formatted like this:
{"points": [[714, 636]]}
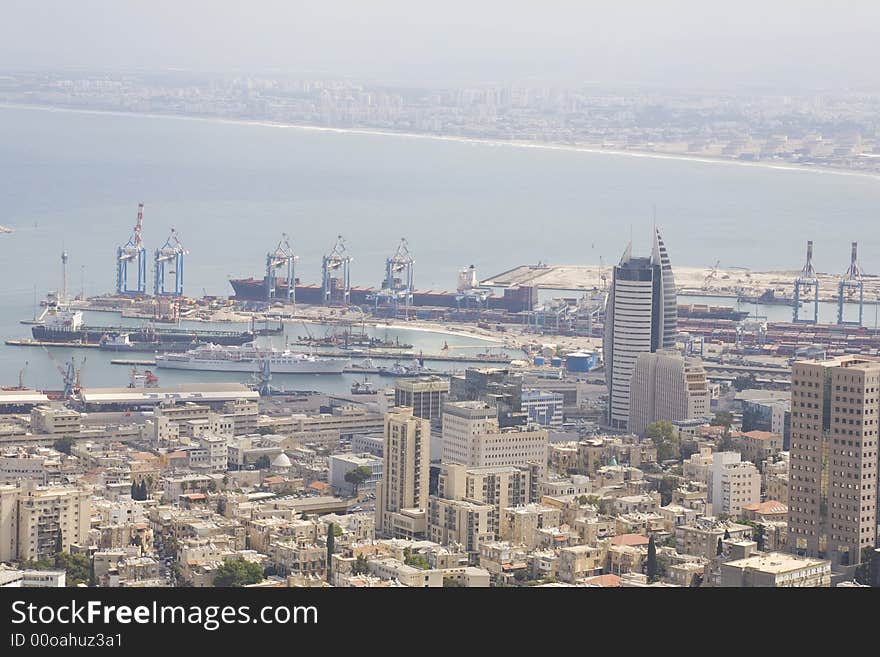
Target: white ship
{"points": [[248, 358]]}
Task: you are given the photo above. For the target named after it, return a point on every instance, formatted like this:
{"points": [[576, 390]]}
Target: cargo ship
{"points": [[702, 311], [247, 358], [514, 299], [62, 324]]}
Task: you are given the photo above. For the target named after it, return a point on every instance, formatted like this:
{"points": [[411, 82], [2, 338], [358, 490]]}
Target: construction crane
{"points": [[334, 289], [711, 275], [70, 374], [850, 285], [282, 256], [170, 255], [398, 283], [805, 286], [132, 252]]}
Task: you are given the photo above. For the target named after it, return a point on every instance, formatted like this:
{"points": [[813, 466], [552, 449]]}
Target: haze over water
{"points": [[73, 180]]}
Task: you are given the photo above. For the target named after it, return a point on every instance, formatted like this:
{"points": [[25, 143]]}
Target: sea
{"points": [[71, 180]]}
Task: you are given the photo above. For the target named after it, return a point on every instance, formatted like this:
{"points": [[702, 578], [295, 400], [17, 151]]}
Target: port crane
{"points": [[850, 286], [170, 255], [806, 285], [711, 275], [336, 290], [132, 253], [282, 256], [398, 284], [70, 374]]}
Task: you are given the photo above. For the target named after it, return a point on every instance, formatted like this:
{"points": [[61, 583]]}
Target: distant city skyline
{"points": [[803, 44]]}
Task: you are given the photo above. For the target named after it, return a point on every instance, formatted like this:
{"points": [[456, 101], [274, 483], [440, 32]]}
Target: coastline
{"points": [[551, 146]]}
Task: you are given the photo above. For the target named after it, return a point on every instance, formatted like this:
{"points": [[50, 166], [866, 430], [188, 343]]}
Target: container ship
{"points": [[516, 299], [66, 325], [702, 311], [247, 358]]}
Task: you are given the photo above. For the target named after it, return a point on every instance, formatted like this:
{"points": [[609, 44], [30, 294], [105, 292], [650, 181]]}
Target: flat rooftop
{"points": [[14, 397], [205, 392], [776, 563]]}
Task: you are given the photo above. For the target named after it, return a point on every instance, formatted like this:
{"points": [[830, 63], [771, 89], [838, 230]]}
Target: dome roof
{"points": [[281, 461]]}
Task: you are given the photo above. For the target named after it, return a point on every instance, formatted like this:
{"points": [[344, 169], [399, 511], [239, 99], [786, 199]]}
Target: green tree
{"points": [[221, 506], [360, 566], [417, 560], [651, 563], [77, 567], [759, 535], [722, 419], [719, 549], [264, 431], [662, 434], [666, 486], [263, 462], [358, 476], [63, 444], [237, 573], [331, 545], [726, 534]]}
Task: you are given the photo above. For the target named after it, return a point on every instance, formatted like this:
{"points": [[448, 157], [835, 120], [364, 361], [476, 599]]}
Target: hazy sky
{"points": [[688, 42]]}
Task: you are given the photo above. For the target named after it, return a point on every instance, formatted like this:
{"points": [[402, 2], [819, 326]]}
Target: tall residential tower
{"points": [[640, 315]]}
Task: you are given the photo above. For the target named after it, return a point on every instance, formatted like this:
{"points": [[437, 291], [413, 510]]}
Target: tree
{"points": [[264, 431], [331, 544], [719, 549], [263, 462], [722, 419], [696, 580], [666, 486], [417, 560], [358, 476], [360, 566], [759, 535], [726, 534], [77, 566], [651, 564], [221, 506], [237, 573], [63, 445], [663, 436]]}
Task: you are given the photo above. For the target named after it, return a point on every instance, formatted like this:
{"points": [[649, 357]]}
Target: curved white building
{"points": [[640, 315]]}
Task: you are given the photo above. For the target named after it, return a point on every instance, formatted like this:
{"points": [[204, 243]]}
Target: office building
{"points": [[640, 316], [833, 462], [543, 407], [666, 387], [424, 395], [473, 437]]}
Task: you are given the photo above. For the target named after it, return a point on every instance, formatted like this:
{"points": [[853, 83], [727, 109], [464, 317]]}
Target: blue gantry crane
{"points": [[168, 264], [134, 253]]}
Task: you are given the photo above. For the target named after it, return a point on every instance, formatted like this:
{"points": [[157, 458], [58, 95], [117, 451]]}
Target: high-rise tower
{"points": [[641, 315]]}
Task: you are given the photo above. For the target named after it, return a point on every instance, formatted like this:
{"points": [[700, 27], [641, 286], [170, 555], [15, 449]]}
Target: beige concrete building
{"points": [[578, 562], [833, 464], [668, 387], [777, 570], [756, 446], [54, 419], [425, 396], [471, 436], [520, 525], [402, 494], [36, 520], [460, 522], [500, 487], [390, 568]]}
